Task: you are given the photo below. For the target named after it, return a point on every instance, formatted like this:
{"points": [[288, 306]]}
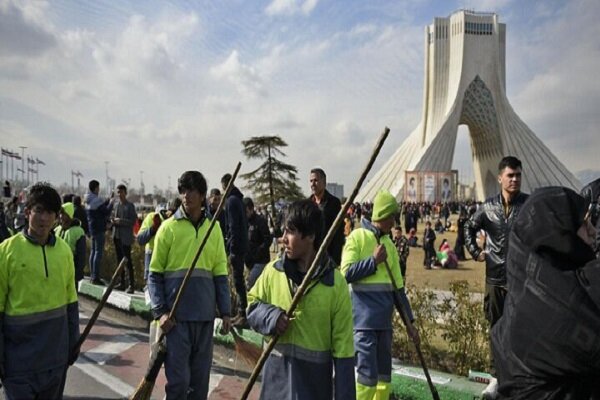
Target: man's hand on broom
{"points": [[226, 326], [166, 324], [413, 333], [282, 324]]}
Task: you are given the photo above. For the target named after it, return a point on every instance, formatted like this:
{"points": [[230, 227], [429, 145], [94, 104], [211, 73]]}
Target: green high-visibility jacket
{"points": [[38, 304], [175, 246], [370, 283], [318, 339]]}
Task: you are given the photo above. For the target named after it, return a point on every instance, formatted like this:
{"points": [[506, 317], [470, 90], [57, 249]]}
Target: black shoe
{"points": [[98, 282], [121, 286], [130, 290]]}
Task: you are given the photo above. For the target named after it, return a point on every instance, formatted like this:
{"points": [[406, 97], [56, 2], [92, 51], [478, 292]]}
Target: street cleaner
{"points": [[363, 264], [39, 316], [189, 337], [317, 341]]}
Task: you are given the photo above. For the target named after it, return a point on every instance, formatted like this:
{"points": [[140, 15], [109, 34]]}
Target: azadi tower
{"points": [[465, 83]]}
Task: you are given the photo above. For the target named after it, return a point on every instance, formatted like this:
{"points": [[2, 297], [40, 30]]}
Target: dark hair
{"points": [[446, 181], [77, 200], [509, 161], [93, 185], [192, 180], [225, 179], [122, 187], [320, 172], [248, 203], [305, 217], [174, 204], [214, 192], [67, 198], [43, 194]]}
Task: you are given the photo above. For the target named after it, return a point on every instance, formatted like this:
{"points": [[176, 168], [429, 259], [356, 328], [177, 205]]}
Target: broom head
{"points": [[249, 352], [144, 389]]}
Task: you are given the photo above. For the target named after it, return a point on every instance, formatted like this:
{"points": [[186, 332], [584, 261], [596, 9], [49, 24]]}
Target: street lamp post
{"points": [[23, 165], [107, 182]]}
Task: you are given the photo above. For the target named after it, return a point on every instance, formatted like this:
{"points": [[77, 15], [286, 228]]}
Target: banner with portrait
{"points": [[411, 187], [429, 186], [446, 185]]}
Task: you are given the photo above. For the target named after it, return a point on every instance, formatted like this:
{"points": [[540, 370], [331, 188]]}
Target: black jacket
{"points": [[236, 226], [546, 344], [330, 206], [259, 241], [491, 218]]}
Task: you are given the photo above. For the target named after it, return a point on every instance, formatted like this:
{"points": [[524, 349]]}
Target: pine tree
{"points": [[273, 179]]}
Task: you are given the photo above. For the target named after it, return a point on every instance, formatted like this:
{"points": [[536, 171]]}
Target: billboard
{"points": [[446, 183], [430, 186], [411, 188]]}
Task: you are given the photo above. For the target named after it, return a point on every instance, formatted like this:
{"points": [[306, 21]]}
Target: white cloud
{"points": [[173, 88], [243, 77], [147, 52], [23, 31], [290, 7], [560, 98]]}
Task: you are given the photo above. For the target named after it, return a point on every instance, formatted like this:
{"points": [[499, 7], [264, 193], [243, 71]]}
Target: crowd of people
{"points": [[541, 273]]}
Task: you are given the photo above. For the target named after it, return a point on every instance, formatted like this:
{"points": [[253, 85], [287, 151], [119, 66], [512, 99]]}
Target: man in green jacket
{"points": [[189, 335], [39, 317], [366, 251], [319, 338]]}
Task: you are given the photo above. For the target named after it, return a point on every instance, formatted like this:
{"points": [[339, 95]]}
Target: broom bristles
{"points": [[143, 391], [146, 386], [249, 352]]}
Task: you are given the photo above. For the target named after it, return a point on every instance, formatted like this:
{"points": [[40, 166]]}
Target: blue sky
{"points": [[165, 87]]}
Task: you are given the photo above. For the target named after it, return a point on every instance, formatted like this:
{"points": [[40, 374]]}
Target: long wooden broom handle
{"points": [[316, 261], [404, 317], [100, 305], [190, 270]]}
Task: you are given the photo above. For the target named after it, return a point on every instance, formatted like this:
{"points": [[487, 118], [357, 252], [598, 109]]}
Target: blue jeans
{"points": [[96, 255]]}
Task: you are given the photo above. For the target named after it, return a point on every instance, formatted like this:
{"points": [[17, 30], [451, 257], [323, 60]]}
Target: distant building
{"points": [[335, 189]]}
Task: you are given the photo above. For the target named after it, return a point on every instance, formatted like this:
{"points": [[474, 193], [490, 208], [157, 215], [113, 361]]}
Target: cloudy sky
{"points": [[163, 87]]}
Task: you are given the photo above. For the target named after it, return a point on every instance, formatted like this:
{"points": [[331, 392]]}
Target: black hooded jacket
{"points": [[491, 218], [546, 345], [236, 225], [591, 193]]}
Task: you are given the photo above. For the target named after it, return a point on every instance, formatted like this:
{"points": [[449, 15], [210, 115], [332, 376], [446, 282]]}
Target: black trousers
{"points": [[493, 307], [124, 251]]}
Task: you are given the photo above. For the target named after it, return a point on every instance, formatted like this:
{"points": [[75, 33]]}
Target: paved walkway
{"points": [[118, 357]]}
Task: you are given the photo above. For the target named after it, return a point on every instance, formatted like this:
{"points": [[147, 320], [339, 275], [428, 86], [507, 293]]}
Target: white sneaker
{"points": [[491, 390]]}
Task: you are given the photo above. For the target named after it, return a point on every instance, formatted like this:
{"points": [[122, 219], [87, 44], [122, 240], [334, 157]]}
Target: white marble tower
{"points": [[465, 83]]}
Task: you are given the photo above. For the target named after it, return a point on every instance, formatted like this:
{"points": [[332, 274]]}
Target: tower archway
{"points": [[465, 84]]}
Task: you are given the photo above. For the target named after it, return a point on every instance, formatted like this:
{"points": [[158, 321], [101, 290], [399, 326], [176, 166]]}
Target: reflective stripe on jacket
{"points": [[318, 339], [38, 304]]}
